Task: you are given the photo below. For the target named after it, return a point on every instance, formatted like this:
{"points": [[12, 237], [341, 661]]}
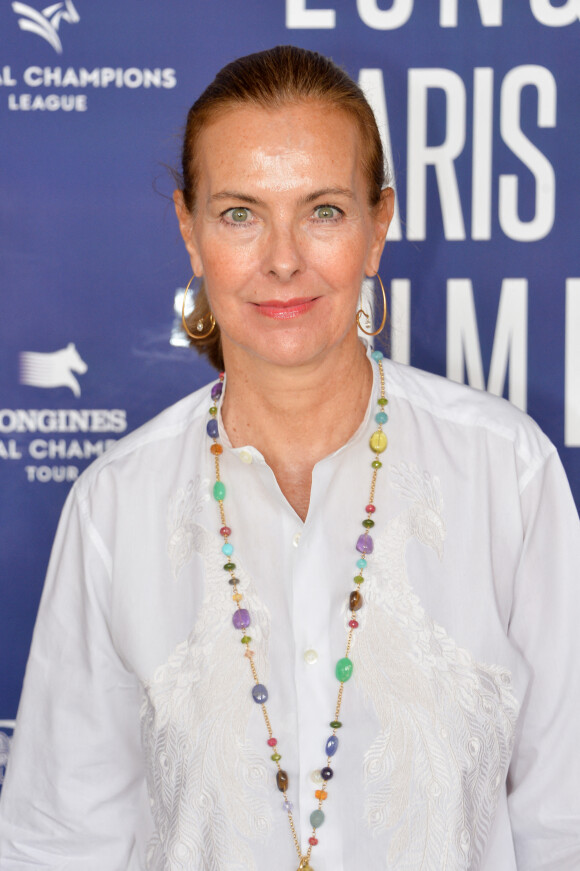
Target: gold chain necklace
{"points": [[242, 620]]}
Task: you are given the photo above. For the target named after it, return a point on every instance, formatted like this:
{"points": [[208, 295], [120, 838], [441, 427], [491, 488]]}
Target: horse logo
{"points": [[52, 370], [46, 22]]}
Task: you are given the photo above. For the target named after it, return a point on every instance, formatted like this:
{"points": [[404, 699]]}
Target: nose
{"points": [[283, 257]]}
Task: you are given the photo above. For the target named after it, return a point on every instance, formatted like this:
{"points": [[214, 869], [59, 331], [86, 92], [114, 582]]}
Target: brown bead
{"points": [[216, 449], [356, 600], [282, 780]]}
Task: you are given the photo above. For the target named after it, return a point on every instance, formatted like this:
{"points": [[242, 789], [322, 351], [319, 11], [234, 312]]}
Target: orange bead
{"points": [[216, 449], [321, 794]]}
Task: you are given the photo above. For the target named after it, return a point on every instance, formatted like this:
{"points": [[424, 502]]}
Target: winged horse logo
{"points": [[46, 22]]}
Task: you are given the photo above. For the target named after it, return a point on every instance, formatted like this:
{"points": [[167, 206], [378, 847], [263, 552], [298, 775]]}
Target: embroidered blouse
{"points": [[138, 744]]}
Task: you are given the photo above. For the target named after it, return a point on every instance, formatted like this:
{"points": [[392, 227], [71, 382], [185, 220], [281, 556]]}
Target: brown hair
{"points": [[271, 79]]}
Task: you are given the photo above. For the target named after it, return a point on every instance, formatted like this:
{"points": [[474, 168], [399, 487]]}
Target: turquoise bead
{"points": [[219, 491], [381, 417], [377, 355], [344, 669], [361, 563], [227, 549], [316, 819]]}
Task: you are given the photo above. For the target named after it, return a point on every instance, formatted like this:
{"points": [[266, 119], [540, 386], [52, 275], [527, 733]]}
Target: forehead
{"points": [[280, 148]]}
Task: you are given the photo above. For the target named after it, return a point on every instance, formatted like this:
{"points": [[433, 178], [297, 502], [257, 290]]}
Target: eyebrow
{"points": [[254, 201]]}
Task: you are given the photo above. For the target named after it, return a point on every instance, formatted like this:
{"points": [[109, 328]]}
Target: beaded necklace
{"points": [[241, 618]]}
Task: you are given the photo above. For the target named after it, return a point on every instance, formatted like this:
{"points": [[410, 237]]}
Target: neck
{"points": [[295, 416]]}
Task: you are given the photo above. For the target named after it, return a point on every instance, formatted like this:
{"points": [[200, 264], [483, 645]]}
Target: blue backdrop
{"points": [[478, 103]]}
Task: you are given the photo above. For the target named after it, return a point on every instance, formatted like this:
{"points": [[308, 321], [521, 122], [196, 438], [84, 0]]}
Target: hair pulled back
{"points": [[272, 79]]}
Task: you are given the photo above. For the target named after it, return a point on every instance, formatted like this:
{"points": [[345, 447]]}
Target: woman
{"points": [[220, 575]]}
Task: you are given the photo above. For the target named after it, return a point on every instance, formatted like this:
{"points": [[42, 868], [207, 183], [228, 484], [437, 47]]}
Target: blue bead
{"points": [[316, 819], [212, 428], [361, 563], [227, 549], [331, 745], [260, 693], [377, 355], [381, 417]]}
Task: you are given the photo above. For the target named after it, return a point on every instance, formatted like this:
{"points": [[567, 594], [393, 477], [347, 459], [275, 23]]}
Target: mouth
{"points": [[285, 309]]}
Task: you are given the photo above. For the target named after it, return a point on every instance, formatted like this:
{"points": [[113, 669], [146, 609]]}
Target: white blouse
{"points": [[138, 744]]}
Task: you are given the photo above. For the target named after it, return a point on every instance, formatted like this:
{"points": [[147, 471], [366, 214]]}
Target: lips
{"points": [[285, 309]]}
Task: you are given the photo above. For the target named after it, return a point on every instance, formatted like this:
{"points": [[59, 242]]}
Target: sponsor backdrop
{"points": [[478, 102]]}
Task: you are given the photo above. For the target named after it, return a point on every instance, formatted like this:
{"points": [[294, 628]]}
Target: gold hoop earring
{"points": [[364, 314], [199, 334]]}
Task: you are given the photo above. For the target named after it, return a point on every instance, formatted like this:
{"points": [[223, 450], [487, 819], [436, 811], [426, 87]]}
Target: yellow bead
{"points": [[237, 597], [378, 442]]}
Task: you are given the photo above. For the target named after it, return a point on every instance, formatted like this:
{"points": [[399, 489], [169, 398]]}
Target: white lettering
{"points": [[70, 79], [33, 76], [555, 16], [371, 82], [6, 78], [50, 103], [298, 17], [572, 365], [490, 12], [509, 344], [169, 78], [58, 474], [540, 167], [384, 19], [91, 77], [401, 320], [63, 420], [482, 153], [421, 155], [107, 76], [133, 78], [9, 450], [52, 76]]}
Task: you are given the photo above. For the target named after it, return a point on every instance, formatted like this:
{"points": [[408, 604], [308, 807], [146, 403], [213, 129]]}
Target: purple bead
{"points": [[364, 543], [241, 618], [331, 745], [260, 694], [216, 390], [213, 428]]}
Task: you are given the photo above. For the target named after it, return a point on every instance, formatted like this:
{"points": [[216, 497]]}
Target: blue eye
{"points": [[327, 213]]}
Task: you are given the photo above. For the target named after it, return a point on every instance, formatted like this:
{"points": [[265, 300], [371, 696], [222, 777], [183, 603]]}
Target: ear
{"points": [[185, 219], [383, 215]]}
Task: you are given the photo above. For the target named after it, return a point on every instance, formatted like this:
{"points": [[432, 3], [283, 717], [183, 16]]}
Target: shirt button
{"points": [[245, 456], [310, 656], [296, 539]]}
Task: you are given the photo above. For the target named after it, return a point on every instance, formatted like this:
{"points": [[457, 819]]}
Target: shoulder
{"points": [[478, 414], [154, 444]]}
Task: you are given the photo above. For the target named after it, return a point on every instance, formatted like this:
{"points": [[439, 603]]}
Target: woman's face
{"points": [[282, 230]]}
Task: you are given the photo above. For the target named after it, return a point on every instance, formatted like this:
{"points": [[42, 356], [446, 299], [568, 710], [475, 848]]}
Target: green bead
{"points": [[246, 639], [229, 567], [378, 442], [344, 669], [376, 464], [316, 819], [359, 579], [275, 757], [213, 410], [336, 724], [368, 523], [383, 401], [219, 491]]}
